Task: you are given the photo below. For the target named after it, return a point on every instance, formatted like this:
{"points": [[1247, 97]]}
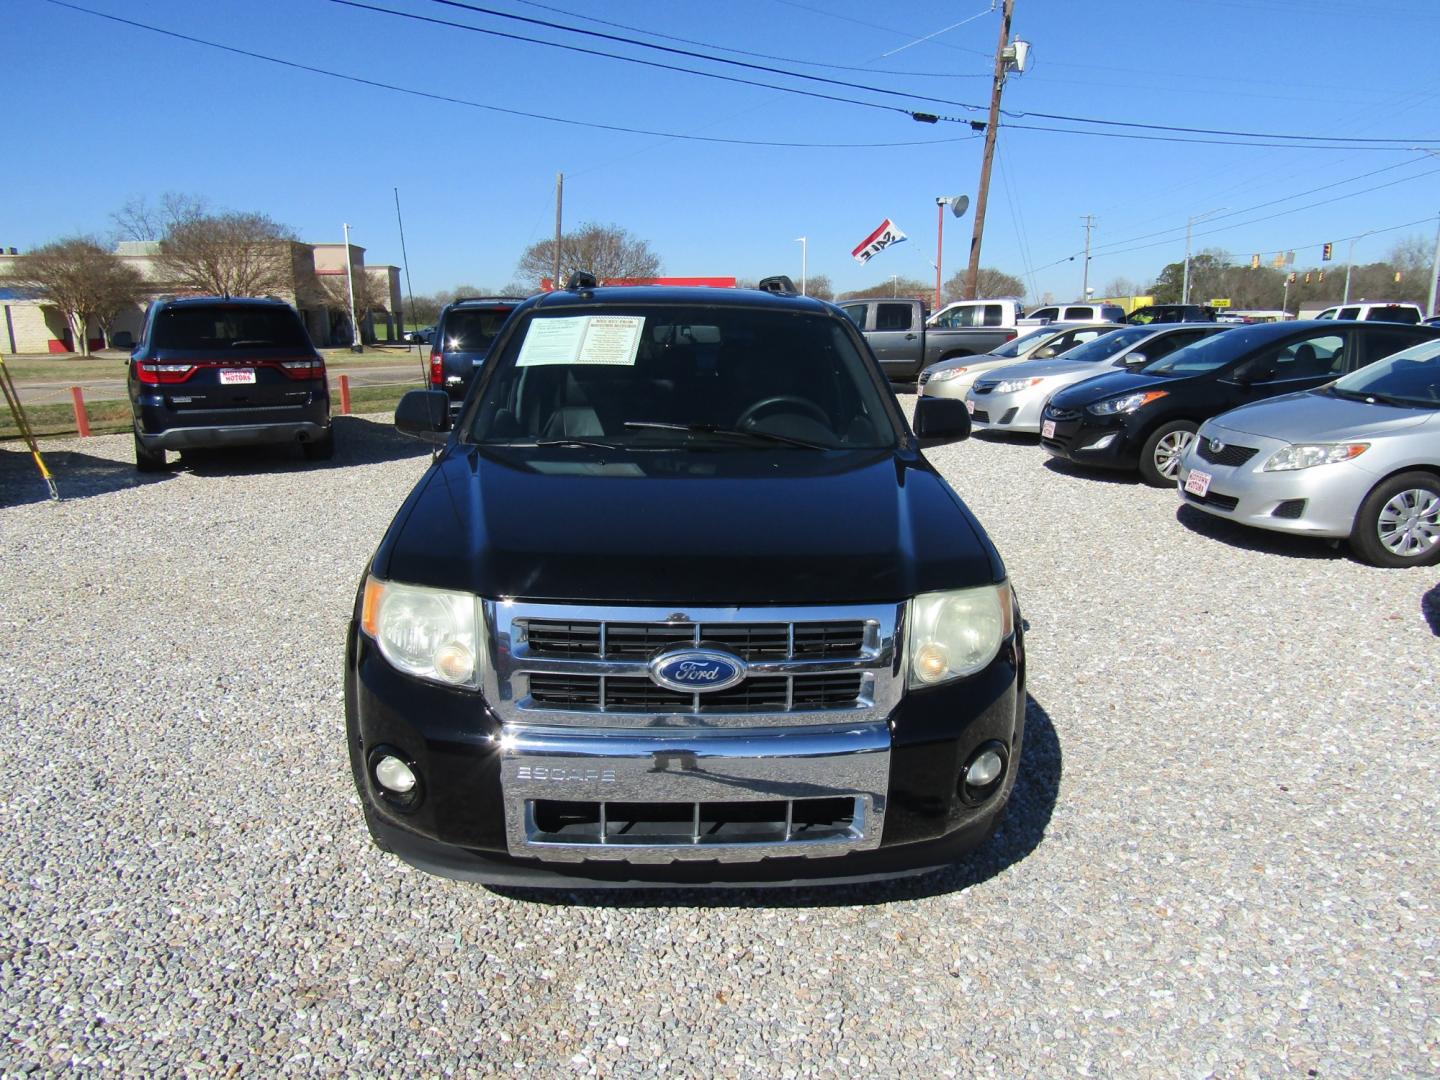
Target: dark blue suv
{"points": [[226, 371], [462, 338]]}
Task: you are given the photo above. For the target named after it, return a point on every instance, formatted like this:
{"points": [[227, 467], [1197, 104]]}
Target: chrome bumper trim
{"points": [[778, 765]]}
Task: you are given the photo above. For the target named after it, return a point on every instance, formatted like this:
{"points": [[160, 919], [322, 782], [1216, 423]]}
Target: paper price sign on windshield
{"points": [[582, 339], [878, 241]]}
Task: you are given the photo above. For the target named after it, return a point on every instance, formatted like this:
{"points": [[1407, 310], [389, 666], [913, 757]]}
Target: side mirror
{"points": [[1252, 372], [424, 414], [122, 340], [941, 420], [1135, 360]]}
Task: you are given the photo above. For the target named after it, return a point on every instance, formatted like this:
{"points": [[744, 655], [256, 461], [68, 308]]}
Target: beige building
{"points": [[29, 326]]}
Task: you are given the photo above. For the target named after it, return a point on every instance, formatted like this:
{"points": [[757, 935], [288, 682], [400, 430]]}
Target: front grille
{"points": [[760, 693], [985, 388], [640, 641], [776, 821], [1290, 508], [924, 378], [980, 416], [1009, 415], [1229, 455], [1061, 415], [1219, 502]]}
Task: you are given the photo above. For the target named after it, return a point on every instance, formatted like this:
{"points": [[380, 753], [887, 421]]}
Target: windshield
{"points": [[472, 330], [1411, 377], [1015, 346], [1213, 352], [648, 376], [1107, 345], [228, 326]]}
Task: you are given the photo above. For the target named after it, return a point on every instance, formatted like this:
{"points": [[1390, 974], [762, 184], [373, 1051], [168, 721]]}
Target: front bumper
{"points": [[1016, 411], [1085, 439], [483, 785], [1320, 501]]}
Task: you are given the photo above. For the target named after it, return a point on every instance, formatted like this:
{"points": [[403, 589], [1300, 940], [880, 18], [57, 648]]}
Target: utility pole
{"points": [[804, 242], [350, 287], [972, 274], [559, 202], [1085, 280], [1190, 224], [1434, 270]]}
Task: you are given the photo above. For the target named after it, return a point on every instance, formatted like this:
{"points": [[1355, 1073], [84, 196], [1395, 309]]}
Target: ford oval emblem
{"points": [[694, 671]]}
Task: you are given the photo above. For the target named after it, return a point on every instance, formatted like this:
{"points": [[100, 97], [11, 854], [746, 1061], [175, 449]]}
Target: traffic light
{"points": [[1397, 276], [1327, 252], [1307, 277], [1321, 277], [1292, 277], [1254, 262]]}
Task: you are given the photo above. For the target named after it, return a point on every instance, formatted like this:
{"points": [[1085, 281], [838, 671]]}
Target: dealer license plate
{"points": [[1047, 429], [969, 406], [1198, 483], [231, 375]]}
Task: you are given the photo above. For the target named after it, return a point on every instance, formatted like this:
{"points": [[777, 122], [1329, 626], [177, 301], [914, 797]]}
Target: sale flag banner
{"points": [[878, 241]]}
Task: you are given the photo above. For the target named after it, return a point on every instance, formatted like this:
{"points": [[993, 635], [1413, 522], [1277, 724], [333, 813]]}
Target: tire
{"points": [[1399, 522], [147, 460], [320, 449], [1160, 457]]}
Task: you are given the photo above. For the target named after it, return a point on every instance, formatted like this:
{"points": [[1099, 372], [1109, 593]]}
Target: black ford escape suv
{"points": [[212, 371], [681, 601]]}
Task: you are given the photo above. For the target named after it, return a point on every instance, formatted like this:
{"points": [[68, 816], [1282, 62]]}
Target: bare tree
{"points": [[83, 280], [607, 251], [988, 282], [1122, 286], [369, 299], [229, 254], [818, 286], [903, 287], [138, 220]]}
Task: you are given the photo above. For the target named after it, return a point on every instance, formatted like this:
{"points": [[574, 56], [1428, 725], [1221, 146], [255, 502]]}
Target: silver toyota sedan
{"points": [[1011, 398], [952, 378], [1358, 458]]}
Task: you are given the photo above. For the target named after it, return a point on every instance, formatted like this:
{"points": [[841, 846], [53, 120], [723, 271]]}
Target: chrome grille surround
{"points": [[507, 678]]}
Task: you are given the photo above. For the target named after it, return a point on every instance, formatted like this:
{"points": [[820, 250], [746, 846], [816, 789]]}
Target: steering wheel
{"points": [[809, 408]]}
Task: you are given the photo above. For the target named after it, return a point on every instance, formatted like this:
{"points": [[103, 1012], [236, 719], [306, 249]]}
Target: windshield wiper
{"points": [[716, 429], [592, 444]]}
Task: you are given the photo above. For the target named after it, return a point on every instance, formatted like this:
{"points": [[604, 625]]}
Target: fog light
{"points": [[394, 775], [931, 663], [983, 773], [1102, 442], [980, 773]]}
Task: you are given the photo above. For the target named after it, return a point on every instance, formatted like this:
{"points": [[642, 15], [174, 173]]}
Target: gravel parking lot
{"points": [[1221, 858]]}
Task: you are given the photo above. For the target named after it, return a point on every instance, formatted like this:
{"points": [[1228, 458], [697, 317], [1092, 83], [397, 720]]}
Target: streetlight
{"points": [[958, 205], [350, 287], [894, 285], [804, 242], [1189, 222], [1350, 263]]}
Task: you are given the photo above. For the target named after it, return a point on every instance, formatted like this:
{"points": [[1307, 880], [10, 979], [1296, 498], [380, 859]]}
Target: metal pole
{"points": [[1085, 280], [804, 242], [1185, 288], [982, 196], [559, 202], [1434, 270], [1285, 297], [894, 285], [409, 289], [1350, 265], [350, 285], [939, 248]]}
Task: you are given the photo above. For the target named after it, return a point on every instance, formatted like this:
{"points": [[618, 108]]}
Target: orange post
{"points": [[344, 395], [82, 418]]}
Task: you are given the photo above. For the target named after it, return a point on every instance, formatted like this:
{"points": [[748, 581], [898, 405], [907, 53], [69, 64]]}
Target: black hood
{"points": [[1107, 386], [697, 528]]}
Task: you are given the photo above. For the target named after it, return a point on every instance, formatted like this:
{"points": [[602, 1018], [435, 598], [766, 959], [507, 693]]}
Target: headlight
{"points": [[429, 633], [1126, 404], [954, 634], [1010, 386], [946, 373], [1304, 455]]}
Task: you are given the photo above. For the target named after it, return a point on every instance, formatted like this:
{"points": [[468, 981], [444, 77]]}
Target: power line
{"points": [[1180, 139], [746, 52], [498, 108], [1019, 114]]}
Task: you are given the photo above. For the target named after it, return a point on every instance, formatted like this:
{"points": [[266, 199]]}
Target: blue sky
{"points": [[101, 112]]}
